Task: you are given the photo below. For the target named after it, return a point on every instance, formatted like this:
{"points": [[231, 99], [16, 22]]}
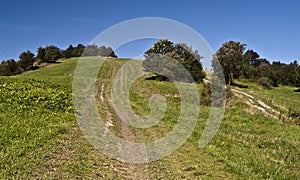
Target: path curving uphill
{"points": [[259, 106]]}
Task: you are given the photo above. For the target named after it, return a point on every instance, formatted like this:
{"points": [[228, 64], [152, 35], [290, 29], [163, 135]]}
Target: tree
{"points": [[52, 54], [9, 68], [111, 52], [78, 50], [90, 50], [298, 77], [94, 50], [252, 58], [160, 56], [250, 64], [230, 56], [4, 69], [190, 60], [289, 73], [40, 54], [106, 52], [26, 60], [68, 52]]}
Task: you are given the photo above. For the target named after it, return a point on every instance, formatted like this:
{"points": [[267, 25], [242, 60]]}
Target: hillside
{"points": [[40, 138]]}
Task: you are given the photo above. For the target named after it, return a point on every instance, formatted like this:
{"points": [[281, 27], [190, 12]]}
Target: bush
{"points": [[265, 82]]}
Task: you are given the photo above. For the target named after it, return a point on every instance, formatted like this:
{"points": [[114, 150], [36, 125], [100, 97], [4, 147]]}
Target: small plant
{"points": [[265, 82]]}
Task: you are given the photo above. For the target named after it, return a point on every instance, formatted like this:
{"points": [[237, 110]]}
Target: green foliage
{"points": [[255, 147], [52, 54], [246, 145], [68, 52], [32, 114], [159, 59], [286, 74], [26, 60], [282, 98], [94, 50], [90, 50], [237, 64], [230, 56], [9, 68], [41, 140], [60, 73], [265, 82], [40, 57], [33, 94], [72, 51], [78, 50]]}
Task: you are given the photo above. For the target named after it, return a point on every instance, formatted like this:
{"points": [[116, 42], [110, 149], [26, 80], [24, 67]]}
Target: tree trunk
{"points": [[230, 78]]}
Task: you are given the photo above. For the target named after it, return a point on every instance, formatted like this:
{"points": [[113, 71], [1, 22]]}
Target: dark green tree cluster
{"points": [[50, 54], [94, 50], [163, 58], [238, 63], [284, 74], [12, 67], [9, 68], [72, 51]]}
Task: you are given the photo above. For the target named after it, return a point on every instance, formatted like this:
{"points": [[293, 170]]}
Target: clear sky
{"points": [[271, 27]]}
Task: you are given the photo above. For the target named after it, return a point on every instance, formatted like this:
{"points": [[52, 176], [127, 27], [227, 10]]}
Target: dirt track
{"points": [[128, 170], [259, 106]]}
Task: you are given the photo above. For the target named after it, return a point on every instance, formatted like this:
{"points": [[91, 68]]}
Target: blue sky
{"points": [[272, 28]]}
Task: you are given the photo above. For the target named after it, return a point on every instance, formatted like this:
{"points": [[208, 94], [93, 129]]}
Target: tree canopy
{"points": [[94, 50], [160, 56], [238, 63], [50, 54], [230, 56], [26, 60]]}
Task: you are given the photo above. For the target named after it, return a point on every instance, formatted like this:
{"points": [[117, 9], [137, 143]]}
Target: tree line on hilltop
{"points": [[51, 54], [236, 62]]}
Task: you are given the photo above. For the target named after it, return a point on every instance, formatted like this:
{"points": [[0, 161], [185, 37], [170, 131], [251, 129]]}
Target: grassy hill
{"points": [[40, 138]]}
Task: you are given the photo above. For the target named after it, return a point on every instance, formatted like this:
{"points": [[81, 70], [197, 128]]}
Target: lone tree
{"points": [[231, 56], [159, 57]]}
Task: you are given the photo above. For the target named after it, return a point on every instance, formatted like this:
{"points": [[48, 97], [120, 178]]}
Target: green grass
{"points": [[282, 98], [32, 114], [246, 146], [60, 73], [256, 147], [40, 138]]}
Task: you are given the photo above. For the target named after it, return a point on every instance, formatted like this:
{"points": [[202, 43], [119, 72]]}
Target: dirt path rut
{"points": [[260, 106], [126, 170]]}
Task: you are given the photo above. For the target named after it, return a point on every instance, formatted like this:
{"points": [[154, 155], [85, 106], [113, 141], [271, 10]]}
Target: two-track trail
{"points": [[258, 105], [127, 170]]}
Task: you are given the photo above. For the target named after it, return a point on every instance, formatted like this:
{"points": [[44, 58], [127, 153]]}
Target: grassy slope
{"points": [[49, 144], [282, 97], [248, 146], [32, 115]]}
